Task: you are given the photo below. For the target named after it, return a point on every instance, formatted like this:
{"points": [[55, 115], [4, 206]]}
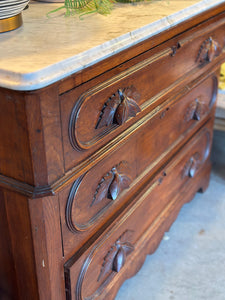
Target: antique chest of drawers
{"points": [[97, 162]]}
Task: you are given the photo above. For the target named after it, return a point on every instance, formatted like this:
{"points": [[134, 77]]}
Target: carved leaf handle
{"points": [[208, 51], [192, 166], [119, 260], [198, 158], [113, 183], [195, 110], [116, 256], [118, 108], [120, 182]]}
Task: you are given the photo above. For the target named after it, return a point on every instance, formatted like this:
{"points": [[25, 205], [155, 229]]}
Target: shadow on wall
{"points": [[218, 153]]}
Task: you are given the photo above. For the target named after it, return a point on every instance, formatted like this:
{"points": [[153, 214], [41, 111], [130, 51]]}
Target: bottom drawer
{"points": [[118, 253]]}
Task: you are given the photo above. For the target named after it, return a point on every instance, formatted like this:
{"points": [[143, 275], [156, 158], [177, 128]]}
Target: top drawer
{"points": [[97, 111]]}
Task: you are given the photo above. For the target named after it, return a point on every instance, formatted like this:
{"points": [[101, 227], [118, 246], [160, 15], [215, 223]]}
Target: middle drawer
{"points": [[96, 195]]}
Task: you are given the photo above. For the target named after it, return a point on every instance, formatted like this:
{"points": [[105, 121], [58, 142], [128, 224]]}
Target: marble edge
{"points": [[55, 72]]}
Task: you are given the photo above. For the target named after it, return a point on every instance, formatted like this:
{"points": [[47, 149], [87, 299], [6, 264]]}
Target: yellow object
{"points": [[11, 23], [222, 77]]}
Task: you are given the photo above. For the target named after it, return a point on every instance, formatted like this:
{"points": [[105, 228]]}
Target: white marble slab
{"points": [[45, 50]]}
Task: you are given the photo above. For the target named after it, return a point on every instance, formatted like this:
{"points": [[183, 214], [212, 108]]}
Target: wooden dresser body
{"points": [[95, 167]]}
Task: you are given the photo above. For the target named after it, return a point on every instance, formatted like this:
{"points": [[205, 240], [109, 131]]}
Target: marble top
{"points": [[45, 50]]}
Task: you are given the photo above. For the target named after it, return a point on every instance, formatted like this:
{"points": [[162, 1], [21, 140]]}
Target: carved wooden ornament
{"points": [[192, 166], [113, 183], [196, 160], [208, 51], [118, 108], [198, 107], [116, 257], [109, 187], [196, 110]]}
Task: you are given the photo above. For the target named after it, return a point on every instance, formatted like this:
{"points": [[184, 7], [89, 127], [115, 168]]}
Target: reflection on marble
{"points": [[45, 50]]}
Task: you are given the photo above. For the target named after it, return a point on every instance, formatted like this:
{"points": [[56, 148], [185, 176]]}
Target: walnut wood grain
{"points": [[174, 74], [150, 241], [83, 213], [147, 74], [80, 168], [32, 148], [48, 250], [8, 284], [14, 150], [144, 211], [21, 280]]}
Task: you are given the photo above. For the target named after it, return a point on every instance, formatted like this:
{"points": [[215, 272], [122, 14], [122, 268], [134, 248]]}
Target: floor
{"points": [[190, 261]]}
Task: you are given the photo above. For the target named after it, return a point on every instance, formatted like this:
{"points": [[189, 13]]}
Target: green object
{"points": [[83, 7]]}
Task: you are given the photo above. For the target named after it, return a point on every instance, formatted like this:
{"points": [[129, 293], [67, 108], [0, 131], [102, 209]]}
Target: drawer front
{"points": [[92, 115], [101, 191], [91, 274]]}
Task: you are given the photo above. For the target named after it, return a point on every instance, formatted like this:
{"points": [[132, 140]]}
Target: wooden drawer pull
{"points": [[192, 166], [196, 110], [118, 108], [208, 51], [113, 183], [116, 256], [197, 159]]}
